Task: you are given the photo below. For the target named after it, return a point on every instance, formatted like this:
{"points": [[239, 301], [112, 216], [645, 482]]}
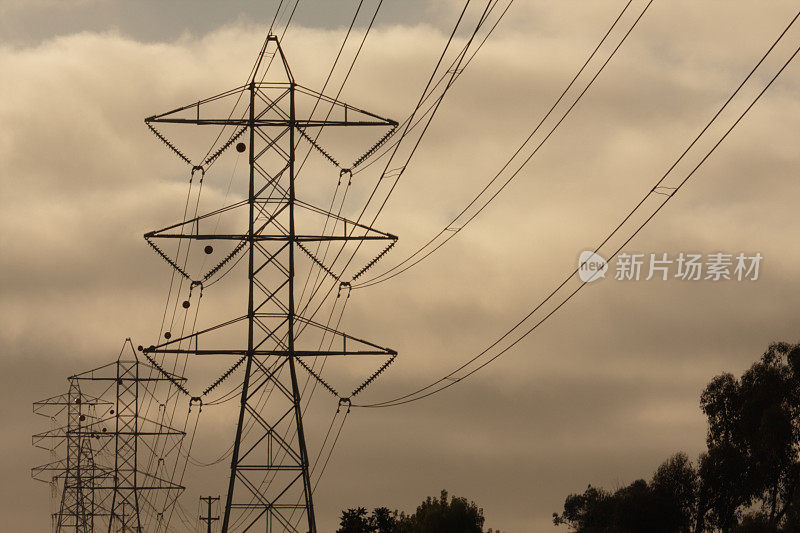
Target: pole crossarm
{"points": [[208, 518]]}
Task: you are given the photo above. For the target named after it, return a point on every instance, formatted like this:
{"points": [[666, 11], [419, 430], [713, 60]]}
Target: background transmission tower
{"points": [[75, 475], [77, 500], [96, 453], [269, 486], [127, 494]]}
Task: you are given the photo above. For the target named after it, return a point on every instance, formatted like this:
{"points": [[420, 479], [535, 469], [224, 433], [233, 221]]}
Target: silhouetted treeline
{"points": [[746, 481], [434, 515]]}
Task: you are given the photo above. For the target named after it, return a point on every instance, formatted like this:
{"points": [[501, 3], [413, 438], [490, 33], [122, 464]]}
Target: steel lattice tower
{"points": [[125, 499], [76, 474], [96, 471], [125, 483], [76, 512], [269, 484], [77, 469]]}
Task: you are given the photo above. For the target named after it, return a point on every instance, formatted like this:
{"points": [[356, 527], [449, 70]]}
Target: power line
{"points": [[422, 98], [451, 229], [327, 116], [409, 122], [449, 379]]}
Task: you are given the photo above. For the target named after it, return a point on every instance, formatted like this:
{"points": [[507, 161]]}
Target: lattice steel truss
{"points": [[128, 377], [75, 475], [269, 484], [96, 462], [77, 501]]}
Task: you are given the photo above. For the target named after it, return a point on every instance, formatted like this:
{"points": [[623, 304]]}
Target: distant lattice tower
{"points": [[129, 483], [75, 475], [77, 499]]}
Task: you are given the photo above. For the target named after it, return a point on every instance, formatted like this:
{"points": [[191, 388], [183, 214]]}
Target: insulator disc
{"points": [[240, 147], [82, 418]]}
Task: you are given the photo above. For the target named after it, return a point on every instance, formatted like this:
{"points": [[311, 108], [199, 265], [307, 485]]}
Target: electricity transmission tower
{"points": [[125, 495], [269, 487], [77, 501], [96, 453], [76, 471]]}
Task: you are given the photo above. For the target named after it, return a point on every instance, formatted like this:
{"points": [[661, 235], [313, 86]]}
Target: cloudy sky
{"points": [[600, 393]]}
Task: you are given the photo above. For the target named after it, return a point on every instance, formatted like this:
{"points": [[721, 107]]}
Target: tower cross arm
{"points": [[272, 237], [268, 122]]}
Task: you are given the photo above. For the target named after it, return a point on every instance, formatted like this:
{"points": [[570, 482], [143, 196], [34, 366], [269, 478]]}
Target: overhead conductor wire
{"points": [[408, 158], [448, 229], [450, 379]]}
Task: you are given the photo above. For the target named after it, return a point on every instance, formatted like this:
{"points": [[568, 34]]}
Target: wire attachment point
{"points": [[344, 401], [344, 285]]}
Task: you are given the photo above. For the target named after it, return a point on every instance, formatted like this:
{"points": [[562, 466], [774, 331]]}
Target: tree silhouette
{"points": [[355, 521], [383, 520], [753, 439], [433, 515], [666, 504], [675, 489], [746, 481], [441, 515]]}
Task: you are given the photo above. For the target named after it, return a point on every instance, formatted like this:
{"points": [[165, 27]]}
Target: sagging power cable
{"points": [[452, 378]]}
